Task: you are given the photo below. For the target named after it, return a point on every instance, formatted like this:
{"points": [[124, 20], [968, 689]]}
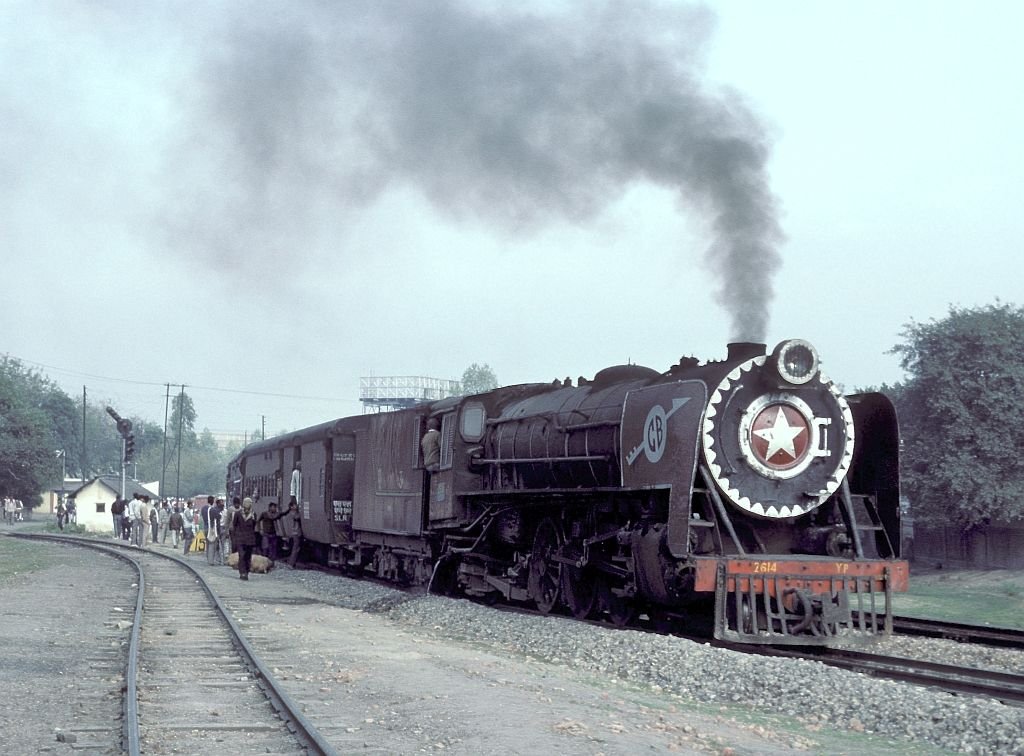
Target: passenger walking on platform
{"points": [[154, 522], [223, 515], [164, 517], [60, 514], [188, 525], [204, 514], [266, 526], [9, 509], [213, 533], [175, 524], [117, 512], [243, 536], [142, 523], [229, 516], [132, 514], [291, 522]]}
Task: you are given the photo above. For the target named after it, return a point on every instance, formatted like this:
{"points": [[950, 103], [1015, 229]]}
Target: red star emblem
{"points": [[779, 436]]}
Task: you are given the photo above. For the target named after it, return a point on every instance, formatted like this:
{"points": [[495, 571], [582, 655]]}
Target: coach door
{"points": [[441, 500], [341, 484]]}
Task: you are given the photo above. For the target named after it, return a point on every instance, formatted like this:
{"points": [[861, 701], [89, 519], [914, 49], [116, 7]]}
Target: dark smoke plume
{"points": [[514, 118]]}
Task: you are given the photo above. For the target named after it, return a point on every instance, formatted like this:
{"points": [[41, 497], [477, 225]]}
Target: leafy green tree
{"points": [[64, 418], [149, 450], [183, 412], [38, 420], [961, 414], [257, 434], [103, 441], [231, 450], [477, 379], [28, 433], [202, 472], [207, 443]]}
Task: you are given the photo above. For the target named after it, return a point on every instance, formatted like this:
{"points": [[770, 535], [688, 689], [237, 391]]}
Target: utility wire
{"points": [[191, 386]]}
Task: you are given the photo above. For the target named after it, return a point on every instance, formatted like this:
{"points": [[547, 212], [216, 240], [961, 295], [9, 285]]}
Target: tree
{"points": [[477, 379], [28, 433], [961, 414], [38, 420], [149, 451], [183, 412], [103, 441]]}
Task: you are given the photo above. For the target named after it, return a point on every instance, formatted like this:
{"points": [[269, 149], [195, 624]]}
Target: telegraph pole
{"points": [[83, 436], [181, 417], [163, 471]]}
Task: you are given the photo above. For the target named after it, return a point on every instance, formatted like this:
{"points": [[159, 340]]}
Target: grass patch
{"points": [[20, 557], [72, 530], [994, 597]]}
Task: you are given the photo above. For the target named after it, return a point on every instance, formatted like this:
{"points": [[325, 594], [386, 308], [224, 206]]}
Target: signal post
{"points": [[124, 427]]}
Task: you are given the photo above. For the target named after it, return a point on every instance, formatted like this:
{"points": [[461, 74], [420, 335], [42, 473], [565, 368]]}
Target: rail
{"points": [[1003, 686], [992, 636], [304, 730]]}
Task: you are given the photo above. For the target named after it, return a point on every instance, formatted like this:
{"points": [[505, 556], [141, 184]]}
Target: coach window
{"points": [[471, 425]]}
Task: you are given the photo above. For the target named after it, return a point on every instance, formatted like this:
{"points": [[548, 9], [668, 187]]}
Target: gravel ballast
{"points": [[737, 700], [816, 695]]}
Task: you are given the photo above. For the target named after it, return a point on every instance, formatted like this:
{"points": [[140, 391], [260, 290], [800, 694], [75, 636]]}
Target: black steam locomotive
{"points": [[747, 490]]}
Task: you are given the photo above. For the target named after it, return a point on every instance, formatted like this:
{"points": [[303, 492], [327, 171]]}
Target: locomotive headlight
{"points": [[796, 361]]}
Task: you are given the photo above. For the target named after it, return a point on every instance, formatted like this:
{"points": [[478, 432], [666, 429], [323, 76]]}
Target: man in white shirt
{"points": [[132, 513], [141, 522], [188, 520], [295, 489]]}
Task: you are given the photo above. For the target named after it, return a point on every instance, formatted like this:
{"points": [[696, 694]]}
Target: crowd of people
{"points": [[67, 513], [213, 528], [14, 510]]}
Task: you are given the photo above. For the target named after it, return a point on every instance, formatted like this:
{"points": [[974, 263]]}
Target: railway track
{"points": [[963, 633], [1005, 687], [192, 680], [224, 725], [1002, 686]]}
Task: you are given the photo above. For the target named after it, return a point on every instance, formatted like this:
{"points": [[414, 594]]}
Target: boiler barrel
{"points": [[565, 438]]}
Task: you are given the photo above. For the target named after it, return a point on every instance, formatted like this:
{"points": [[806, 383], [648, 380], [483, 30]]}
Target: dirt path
{"points": [[395, 692], [381, 685]]}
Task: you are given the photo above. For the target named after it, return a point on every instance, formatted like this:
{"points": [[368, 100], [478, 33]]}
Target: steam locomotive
{"points": [[747, 492]]}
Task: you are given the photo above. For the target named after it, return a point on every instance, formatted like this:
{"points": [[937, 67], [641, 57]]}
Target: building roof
{"points": [[113, 482]]}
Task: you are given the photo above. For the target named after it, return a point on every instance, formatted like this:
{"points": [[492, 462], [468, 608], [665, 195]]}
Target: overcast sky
{"points": [[266, 201]]}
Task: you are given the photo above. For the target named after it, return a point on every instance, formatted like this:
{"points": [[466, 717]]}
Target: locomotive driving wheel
{"points": [[579, 587], [545, 582], [621, 609]]}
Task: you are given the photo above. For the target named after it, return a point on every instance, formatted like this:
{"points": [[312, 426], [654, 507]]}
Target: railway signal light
{"points": [[124, 425], [129, 447]]}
